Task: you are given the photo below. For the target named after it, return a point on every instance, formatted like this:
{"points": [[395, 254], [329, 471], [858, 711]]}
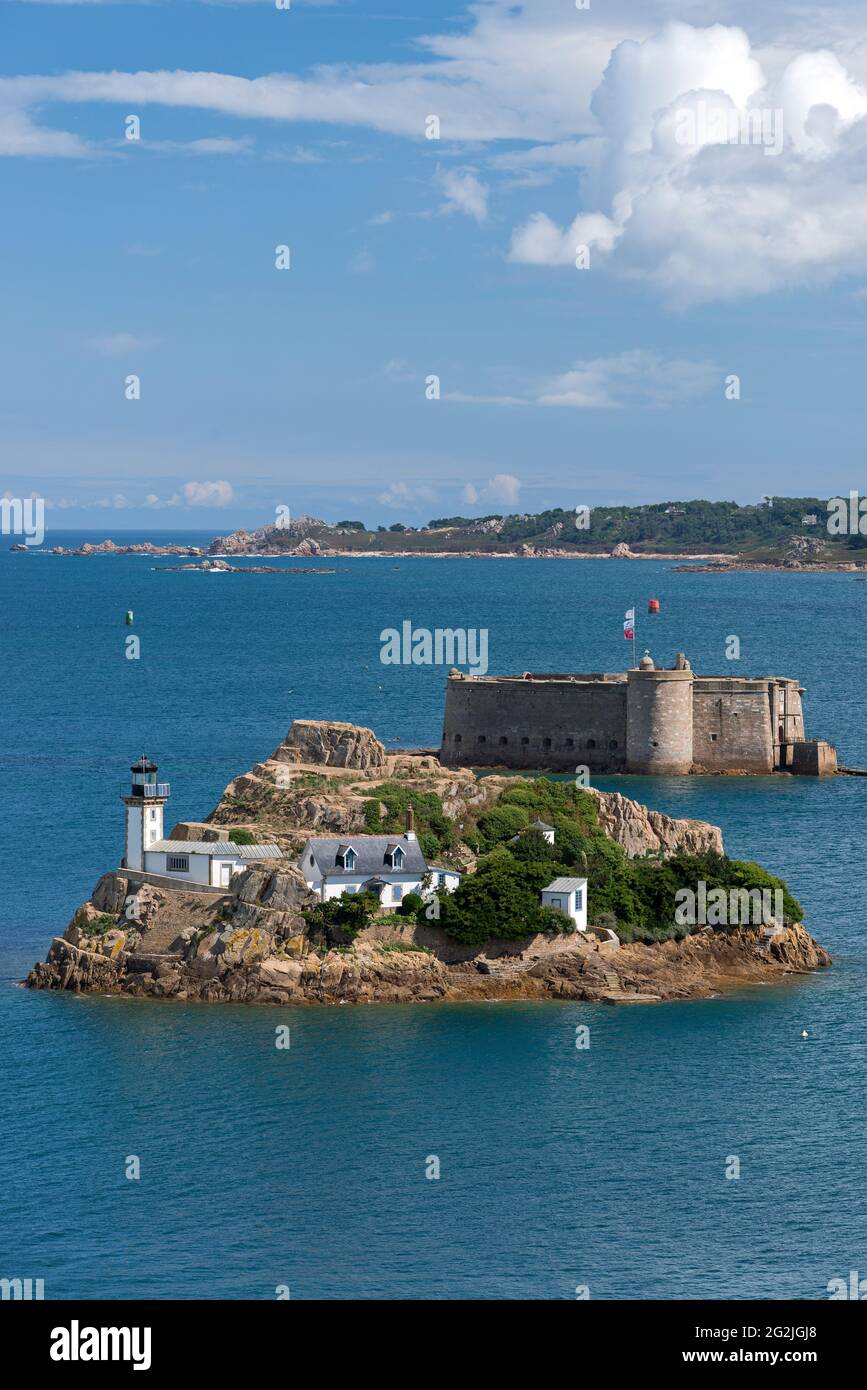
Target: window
{"points": [[312, 860], [570, 743], [525, 741], [153, 815], [346, 860], [713, 738], [482, 738], [458, 738], [395, 857], [591, 743], [503, 738], [397, 891], [546, 743], [178, 863], [613, 743], [578, 899]]}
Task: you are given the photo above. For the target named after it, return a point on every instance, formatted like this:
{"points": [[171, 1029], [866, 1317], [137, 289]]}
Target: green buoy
{"points": [[129, 617]]}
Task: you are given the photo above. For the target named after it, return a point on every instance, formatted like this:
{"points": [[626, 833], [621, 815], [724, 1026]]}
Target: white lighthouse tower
{"points": [[144, 804]]}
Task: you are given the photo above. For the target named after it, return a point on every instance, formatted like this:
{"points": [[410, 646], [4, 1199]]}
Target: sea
{"points": [[153, 1150]]}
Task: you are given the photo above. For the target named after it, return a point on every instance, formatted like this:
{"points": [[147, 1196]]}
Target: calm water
{"points": [[307, 1167]]}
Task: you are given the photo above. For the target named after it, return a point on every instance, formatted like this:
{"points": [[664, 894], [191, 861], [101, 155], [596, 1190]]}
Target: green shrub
{"points": [[242, 837], [341, 919]]}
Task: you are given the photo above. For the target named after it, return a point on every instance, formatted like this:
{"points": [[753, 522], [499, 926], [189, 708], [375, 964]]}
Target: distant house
{"points": [[388, 865], [570, 896], [547, 831]]}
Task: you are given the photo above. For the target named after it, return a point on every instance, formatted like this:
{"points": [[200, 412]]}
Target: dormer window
{"points": [[346, 857], [395, 856]]}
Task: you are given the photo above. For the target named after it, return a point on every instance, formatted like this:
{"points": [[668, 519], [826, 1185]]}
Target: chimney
{"points": [[410, 823]]}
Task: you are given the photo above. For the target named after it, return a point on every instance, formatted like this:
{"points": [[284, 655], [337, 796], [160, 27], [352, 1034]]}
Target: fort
{"points": [[649, 720]]}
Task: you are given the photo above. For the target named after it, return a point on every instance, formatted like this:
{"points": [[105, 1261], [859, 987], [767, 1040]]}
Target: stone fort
{"points": [[649, 720]]}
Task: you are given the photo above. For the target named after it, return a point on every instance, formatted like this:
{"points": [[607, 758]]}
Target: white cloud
{"points": [[381, 219], [208, 494], [635, 378], [362, 262], [120, 344], [692, 197], [400, 494], [504, 487], [464, 192]]}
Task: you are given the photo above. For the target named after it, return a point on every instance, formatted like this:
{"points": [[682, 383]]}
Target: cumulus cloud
{"points": [[464, 192], [503, 488], [715, 182], [208, 494], [400, 494]]}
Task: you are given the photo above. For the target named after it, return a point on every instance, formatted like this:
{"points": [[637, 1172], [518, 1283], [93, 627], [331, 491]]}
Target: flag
{"points": [[629, 625]]}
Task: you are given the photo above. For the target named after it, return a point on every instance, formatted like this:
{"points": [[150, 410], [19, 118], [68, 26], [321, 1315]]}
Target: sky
{"points": [[632, 267]]}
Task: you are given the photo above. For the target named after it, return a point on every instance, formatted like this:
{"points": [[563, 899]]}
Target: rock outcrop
{"points": [[642, 831], [330, 744]]}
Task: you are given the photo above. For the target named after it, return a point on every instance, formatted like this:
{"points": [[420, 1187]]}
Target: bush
{"points": [[411, 905], [242, 837], [341, 919], [502, 822]]}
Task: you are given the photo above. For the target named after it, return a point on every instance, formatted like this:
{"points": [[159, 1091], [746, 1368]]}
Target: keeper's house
{"points": [[388, 865], [210, 863]]}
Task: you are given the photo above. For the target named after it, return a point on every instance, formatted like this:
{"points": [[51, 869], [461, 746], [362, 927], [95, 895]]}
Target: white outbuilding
{"points": [[570, 896]]}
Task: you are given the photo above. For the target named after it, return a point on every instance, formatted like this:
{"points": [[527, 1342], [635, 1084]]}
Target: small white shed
{"points": [[570, 895]]}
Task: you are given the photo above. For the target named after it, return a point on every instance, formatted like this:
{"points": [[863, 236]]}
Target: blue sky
{"points": [[306, 388]]}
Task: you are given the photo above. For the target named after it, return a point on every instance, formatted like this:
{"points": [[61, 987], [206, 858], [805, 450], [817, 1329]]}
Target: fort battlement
{"points": [[652, 720]]}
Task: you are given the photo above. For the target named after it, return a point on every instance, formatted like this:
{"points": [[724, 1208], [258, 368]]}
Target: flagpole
{"points": [[635, 611]]}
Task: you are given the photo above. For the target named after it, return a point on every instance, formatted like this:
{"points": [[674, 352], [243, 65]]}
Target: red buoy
{"points": [[653, 605]]}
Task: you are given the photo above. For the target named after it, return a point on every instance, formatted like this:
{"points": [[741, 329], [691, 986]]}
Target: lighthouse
{"points": [[144, 802]]}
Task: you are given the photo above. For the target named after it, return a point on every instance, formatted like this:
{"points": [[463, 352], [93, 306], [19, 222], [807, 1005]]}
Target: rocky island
{"points": [[267, 938]]}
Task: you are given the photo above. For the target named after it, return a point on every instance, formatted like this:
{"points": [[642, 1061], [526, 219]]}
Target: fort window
{"points": [[613, 743], [546, 743], [482, 738], [591, 743], [503, 738], [570, 743], [458, 738], [713, 738], [525, 740]]}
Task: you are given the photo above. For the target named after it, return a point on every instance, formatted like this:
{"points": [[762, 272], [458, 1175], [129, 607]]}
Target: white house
{"points": [[388, 865], [547, 832], [207, 862], [570, 895]]}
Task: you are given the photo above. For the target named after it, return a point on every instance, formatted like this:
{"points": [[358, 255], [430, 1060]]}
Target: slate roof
{"points": [[370, 859], [219, 847], [565, 885]]}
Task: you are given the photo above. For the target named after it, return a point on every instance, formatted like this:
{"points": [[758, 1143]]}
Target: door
{"points": [[225, 875]]}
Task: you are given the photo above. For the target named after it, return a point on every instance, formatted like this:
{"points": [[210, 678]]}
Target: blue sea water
{"points": [[306, 1167]]}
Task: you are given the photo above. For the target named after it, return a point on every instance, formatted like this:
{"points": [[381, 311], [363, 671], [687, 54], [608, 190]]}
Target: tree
{"points": [[340, 920]]}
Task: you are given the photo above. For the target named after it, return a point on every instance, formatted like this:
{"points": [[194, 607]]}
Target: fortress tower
{"points": [[144, 804], [659, 719]]}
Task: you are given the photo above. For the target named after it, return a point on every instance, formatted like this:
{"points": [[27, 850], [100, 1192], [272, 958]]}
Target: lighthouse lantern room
{"points": [[144, 802]]}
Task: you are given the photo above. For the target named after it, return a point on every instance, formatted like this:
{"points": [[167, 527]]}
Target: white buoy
{"points": [[804, 1033]]}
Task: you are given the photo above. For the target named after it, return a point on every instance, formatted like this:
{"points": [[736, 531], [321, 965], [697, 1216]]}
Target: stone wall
{"points": [[732, 726], [555, 724]]}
